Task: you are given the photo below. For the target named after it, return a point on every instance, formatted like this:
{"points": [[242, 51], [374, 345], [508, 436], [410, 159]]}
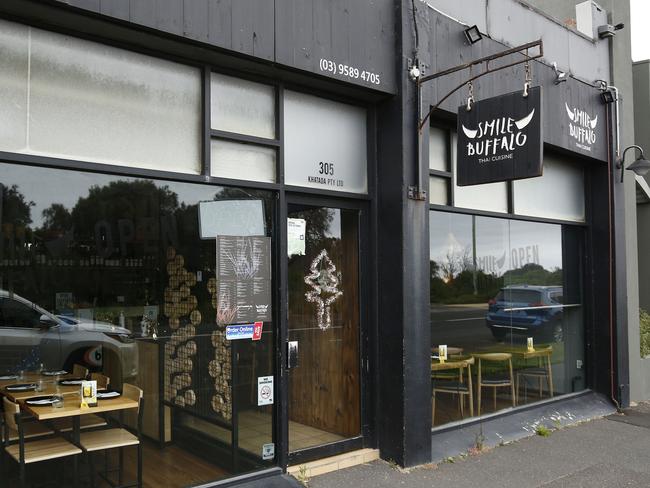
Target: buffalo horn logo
{"points": [[521, 125], [582, 127]]}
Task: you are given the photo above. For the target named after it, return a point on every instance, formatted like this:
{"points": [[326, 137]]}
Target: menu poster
{"points": [[244, 278]]}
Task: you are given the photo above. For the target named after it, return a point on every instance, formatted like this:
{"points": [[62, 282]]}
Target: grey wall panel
{"points": [[143, 12], [169, 16], [340, 31], [253, 29], [196, 20], [115, 8], [220, 23], [474, 14], [85, 4]]}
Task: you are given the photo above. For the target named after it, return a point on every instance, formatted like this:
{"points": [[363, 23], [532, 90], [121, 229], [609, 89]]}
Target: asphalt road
{"points": [[609, 452], [461, 326]]}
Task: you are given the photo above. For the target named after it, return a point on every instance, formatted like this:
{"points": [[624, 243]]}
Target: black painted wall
{"points": [[294, 33]]}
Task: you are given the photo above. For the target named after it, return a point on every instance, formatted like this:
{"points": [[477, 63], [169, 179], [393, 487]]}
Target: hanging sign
{"points": [[500, 139]]}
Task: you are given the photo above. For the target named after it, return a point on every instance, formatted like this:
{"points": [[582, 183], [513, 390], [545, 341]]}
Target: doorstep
{"points": [[334, 463]]}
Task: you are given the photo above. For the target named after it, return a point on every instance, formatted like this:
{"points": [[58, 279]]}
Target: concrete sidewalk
{"points": [[608, 452]]}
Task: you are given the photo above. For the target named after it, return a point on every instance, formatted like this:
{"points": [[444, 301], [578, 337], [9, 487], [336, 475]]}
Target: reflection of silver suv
{"points": [[30, 336]]}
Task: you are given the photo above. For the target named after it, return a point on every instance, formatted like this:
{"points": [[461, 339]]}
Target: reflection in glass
{"points": [[110, 274], [495, 284]]}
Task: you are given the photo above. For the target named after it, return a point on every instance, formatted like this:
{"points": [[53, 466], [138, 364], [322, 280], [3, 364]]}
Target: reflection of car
{"points": [[30, 335], [526, 310]]}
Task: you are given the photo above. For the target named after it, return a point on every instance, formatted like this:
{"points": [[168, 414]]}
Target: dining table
{"points": [[49, 385], [72, 409]]}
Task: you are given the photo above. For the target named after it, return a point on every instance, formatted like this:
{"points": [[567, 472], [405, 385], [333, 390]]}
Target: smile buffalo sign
{"points": [[500, 139]]}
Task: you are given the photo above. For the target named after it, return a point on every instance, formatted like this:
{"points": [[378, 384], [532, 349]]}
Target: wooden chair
{"points": [[117, 438], [79, 371], [102, 380], [543, 371], [496, 381], [33, 451], [453, 386]]}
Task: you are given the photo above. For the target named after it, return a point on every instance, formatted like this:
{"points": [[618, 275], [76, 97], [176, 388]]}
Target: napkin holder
{"points": [[88, 394]]}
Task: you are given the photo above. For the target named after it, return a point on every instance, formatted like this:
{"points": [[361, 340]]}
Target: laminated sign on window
{"points": [[500, 139]]}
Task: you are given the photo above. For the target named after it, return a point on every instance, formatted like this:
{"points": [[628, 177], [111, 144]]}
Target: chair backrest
{"points": [[540, 352], [11, 409], [494, 356], [102, 380], [79, 371], [132, 392]]}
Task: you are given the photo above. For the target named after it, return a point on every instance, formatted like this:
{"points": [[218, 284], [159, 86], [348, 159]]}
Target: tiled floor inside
{"points": [[255, 430]]}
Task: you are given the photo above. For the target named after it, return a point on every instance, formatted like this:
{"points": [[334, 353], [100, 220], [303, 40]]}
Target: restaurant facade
{"points": [[239, 209]]}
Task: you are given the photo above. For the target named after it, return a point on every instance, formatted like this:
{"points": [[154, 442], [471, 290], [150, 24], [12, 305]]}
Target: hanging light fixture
{"points": [[640, 166]]}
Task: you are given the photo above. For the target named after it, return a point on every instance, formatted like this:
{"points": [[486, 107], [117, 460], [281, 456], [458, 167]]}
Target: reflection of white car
{"points": [[30, 335]]}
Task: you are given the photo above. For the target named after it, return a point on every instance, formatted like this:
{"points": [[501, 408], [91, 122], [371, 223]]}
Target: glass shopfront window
{"points": [[506, 305], [131, 281]]}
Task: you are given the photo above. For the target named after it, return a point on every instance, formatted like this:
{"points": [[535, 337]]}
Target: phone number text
{"points": [[349, 71]]}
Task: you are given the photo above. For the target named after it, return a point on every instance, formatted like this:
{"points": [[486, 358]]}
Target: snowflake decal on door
{"points": [[324, 282]]}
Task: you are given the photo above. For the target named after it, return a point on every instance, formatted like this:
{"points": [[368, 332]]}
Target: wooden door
{"points": [[324, 319]]}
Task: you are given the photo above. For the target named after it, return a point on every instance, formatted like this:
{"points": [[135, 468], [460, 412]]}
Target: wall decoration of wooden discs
{"points": [[220, 367], [180, 349]]}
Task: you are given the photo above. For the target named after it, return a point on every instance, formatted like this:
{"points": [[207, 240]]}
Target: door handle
{"points": [[292, 354]]}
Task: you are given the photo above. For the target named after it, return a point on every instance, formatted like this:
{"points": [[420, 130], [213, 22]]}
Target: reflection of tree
{"points": [[455, 262], [122, 200], [458, 287], [15, 217], [318, 222], [533, 274], [56, 218], [15, 208]]}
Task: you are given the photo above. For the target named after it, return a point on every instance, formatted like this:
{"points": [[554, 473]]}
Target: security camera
{"points": [[608, 30]]}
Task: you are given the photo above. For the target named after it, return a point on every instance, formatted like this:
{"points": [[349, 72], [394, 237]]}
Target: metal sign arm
{"points": [[488, 70]]}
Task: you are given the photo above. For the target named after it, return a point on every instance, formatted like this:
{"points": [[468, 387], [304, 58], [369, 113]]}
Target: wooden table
{"points": [[72, 409], [33, 378], [48, 390]]}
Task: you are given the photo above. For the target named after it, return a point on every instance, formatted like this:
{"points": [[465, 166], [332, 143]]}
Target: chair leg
{"points": [[471, 393], [512, 384], [461, 402], [23, 483], [91, 468], [121, 468], [550, 376], [479, 388], [433, 408], [140, 465], [517, 388]]}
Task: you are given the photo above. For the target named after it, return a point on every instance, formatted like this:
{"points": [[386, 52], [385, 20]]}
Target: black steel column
{"points": [[404, 419]]}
